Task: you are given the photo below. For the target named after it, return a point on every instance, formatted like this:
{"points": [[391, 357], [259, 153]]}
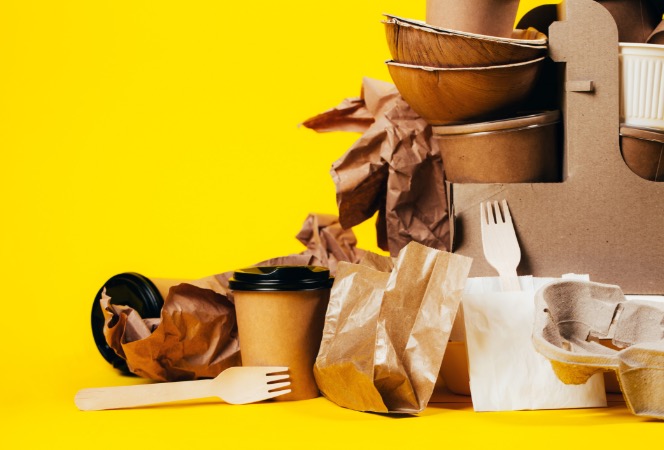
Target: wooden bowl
{"points": [[445, 95], [642, 150], [416, 43]]}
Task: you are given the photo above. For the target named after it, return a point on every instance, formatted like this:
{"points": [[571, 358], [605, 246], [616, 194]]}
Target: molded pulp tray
{"points": [[571, 317]]}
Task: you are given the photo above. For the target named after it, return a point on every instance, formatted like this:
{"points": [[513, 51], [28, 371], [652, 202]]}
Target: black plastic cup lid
{"points": [[130, 289], [281, 278]]}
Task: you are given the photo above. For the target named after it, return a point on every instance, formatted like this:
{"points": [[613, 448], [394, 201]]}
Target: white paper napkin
{"points": [[506, 372]]}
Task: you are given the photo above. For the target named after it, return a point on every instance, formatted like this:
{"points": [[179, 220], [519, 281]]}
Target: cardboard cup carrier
{"points": [[574, 318], [601, 219], [280, 316]]}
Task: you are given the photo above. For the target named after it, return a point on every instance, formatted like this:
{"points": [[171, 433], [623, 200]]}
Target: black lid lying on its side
{"points": [[130, 289], [281, 278]]}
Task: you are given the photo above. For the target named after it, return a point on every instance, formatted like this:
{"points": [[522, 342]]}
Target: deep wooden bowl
{"points": [[416, 43], [445, 95]]}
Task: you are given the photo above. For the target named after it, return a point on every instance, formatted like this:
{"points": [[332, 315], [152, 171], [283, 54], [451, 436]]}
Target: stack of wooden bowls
{"points": [[469, 87], [449, 76]]}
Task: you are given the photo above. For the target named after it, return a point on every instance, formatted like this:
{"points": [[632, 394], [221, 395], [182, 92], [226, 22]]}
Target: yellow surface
{"points": [[161, 137]]}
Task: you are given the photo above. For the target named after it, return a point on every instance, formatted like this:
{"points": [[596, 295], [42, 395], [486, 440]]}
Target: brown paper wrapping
{"points": [[168, 350], [395, 168], [196, 335], [386, 332], [351, 115], [327, 243]]}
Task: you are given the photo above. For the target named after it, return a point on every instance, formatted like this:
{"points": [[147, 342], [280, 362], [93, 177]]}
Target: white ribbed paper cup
{"points": [[642, 85]]}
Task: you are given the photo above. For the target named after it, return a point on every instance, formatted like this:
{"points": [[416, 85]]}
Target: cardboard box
{"points": [[602, 219]]}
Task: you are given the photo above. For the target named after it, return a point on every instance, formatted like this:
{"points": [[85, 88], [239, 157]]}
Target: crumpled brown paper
{"points": [[395, 168], [327, 243], [386, 331], [196, 335]]}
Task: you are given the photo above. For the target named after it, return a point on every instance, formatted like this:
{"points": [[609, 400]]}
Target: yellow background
{"points": [[162, 137]]}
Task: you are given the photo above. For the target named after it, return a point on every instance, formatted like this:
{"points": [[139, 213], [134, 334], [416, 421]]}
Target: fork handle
{"points": [[141, 395], [509, 282]]}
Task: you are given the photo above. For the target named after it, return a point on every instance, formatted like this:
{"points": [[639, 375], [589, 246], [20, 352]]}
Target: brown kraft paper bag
{"points": [[387, 328]]}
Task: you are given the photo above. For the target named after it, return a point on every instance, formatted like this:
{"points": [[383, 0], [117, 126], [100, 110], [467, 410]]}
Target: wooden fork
{"points": [[237, 385], [501, 248]]}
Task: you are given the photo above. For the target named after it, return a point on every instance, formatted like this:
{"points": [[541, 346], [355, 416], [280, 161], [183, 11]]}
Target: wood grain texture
{"points": [[426, 46], [442, 95]]}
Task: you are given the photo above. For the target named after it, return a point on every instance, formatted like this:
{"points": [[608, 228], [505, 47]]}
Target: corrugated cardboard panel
{"points": [[602, 219]]}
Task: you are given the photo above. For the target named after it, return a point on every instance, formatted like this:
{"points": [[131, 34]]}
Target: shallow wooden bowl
{"points": [[445, 95], [416, 43]]}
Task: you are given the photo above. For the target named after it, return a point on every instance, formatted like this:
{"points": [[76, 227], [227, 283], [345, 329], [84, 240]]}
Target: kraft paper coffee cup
{"points": [[486, 17], [280, 316]]}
